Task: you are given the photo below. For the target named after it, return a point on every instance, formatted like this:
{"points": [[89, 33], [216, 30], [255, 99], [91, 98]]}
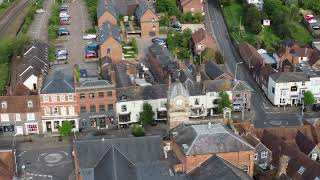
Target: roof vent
{"points": [[301, 170], [185, 147]]}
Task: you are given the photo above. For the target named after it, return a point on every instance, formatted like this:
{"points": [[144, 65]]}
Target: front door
{"points": [[19, 130], [49, 127]]}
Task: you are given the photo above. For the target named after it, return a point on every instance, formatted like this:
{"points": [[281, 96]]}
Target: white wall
{"points": [[30, 81], [314, 87]]}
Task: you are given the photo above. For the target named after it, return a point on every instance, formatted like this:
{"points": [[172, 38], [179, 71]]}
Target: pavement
{"points": [[263, 112], [39, 28]]}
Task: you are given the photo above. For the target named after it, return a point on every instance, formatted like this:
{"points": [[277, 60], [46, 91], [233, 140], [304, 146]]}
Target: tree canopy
{"points": [[65, 129], [223, 101], [179, 43], [253, 19], [147, 114], [309, 98], [167, 6], [138, 131]]}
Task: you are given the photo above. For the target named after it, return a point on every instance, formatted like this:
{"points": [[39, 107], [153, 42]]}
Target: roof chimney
{"points": [[283, 164]]}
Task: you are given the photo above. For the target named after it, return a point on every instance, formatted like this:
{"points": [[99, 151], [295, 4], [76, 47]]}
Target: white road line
{"points": [[21, 153]]}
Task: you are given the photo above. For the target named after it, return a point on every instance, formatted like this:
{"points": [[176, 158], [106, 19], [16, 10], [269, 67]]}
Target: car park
{"points": [[92, 46], [64, 7], [89, 36], [64, 19], [64, 14], [63, 31]]}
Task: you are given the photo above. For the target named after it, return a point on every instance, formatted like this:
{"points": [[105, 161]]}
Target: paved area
{"points": [[193, 27], [39, 28]]}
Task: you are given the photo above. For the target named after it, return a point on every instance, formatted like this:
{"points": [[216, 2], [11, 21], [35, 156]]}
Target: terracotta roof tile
{"points": [[20, 104]]}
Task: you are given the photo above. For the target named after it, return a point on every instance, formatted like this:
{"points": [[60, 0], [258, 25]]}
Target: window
{"points": [[30, 104], [303, 83], [45, 98], [4, 104], [264, 154], [255, 156], [101, 94], [192, 9], [31, 117], [56, 124], [54, 98], [63, 110], [273, 90], [110, 93], [70, 97], [92, 108], [314, 156], [62, 98], [32, 128], [55, 110], [83, 109], [102, 108], [4, 117], [18, 117], [215, 101], [294, 88], [303, 91], [246, 169], [82, 96], [152, 19], [123, 108], [196, 102], [108, 51], [110, 107], [301, 170], [47, 111], [238, 95], [71, 110], [91, 95]]}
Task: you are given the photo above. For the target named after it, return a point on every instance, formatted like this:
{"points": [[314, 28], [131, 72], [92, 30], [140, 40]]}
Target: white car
{"points": [[311, 21], [61, 57], [40, 11], [89, 36], [64, 15]]}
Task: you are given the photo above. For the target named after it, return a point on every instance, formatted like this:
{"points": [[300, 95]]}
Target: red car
{"points": [[308, 17], [64, 23], [90, 54]]}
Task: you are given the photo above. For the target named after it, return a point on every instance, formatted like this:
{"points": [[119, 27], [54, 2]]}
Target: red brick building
{"points": [[7, 165], [203, 39], [149, 21], [193, 6]]}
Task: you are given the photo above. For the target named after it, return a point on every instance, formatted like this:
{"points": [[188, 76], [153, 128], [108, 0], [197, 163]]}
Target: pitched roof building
{"points": [[203, 39], [7, 165]]}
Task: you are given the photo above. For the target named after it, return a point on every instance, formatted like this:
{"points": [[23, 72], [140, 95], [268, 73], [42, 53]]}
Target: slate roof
{"points": [[158, 91], [194, 88], [209, 139], [103, 6], [122, 159], [164, 57], [251, 139], [121, 76], [185, 75], [282, 77], [58, 82], [218, 168], [19, 104], [108, 30], [142, 8], [305, 145], [226, 85], [94, 83], [177, 89], [212, 70]]}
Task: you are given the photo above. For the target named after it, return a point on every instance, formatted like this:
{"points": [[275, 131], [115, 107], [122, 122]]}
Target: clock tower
{"points": [[178, 105]]}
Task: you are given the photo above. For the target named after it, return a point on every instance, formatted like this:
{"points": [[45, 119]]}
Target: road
{"points": [[261, 114]]}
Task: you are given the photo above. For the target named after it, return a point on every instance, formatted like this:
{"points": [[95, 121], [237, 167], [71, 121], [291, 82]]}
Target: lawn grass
{"points": [[299, 33], [4, 72], [269, 39]]}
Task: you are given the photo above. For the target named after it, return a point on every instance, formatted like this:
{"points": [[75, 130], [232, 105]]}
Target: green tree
{"points": [[218, 57], [225, 2], [252, 19], [65, 129], [167, 6], [223, 101], [308, 98], [179, 43], [21, 41], [138, 131], [147, 114], [207, 55]]}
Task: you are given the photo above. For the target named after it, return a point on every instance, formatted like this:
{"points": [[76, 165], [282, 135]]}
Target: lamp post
{"points": [[235, 73]]}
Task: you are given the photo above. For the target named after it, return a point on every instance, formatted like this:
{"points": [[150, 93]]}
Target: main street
{"points": [[261, 114]]}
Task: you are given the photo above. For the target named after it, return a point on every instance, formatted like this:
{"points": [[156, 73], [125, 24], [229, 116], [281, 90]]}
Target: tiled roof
{"points": [[58, 82], [250, 55], [19, 104], [6, 165], [305, 145], [142, 8], [226, 85], [218, 168], [121, 76], [200, 35], [94, 83], [177, 89], [209, 139], [212, 70], [158, 91], [108, 30], [282, 77], [165, 59], [103, 6]]}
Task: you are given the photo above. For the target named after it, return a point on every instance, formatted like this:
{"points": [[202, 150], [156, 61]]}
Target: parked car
{"points": [[64, 22], [59, 52], [40, 11], [89, 36], [312, 21], [61, 57], [90, 54], [64, 14], [316, 107], [92, 46], [160, 41], [308, 17], [315, 27], [176, 26], [64, 19], [64, 7], [63, 31]]}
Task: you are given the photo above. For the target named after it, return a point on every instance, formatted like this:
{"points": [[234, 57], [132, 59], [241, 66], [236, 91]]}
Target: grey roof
{"points": [[163, 55], [194, 88], [104, 6], [282, 77], [209, 139], [142, 8], [212, 70], [226, 85], [95, 83], [158, 91], [218, 168], [121, 76], [108, 30], [177, 89], [122, 159], [185, 75], [58, 82]]}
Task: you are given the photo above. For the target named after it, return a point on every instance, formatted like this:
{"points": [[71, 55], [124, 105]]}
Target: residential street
{"points": [[261, 115]]}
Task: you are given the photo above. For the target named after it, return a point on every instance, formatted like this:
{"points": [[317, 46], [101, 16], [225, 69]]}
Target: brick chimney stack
{"points": [[283, 165]]}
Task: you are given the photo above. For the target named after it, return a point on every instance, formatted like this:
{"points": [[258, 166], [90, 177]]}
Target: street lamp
{"points": [[235, 73]]}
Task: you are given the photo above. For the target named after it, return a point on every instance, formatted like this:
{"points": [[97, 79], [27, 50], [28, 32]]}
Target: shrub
{"points": [[138, 131]]}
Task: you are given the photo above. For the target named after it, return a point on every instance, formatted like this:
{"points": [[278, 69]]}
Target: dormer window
{"points": [[196, 102], [4, 104], [30, 104]]}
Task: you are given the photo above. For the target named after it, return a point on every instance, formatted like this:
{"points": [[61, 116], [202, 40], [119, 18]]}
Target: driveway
{"points": [[39, 28]]}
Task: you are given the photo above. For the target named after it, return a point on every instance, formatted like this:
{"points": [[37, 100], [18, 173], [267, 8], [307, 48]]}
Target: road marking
{"points": [[21, 153]]}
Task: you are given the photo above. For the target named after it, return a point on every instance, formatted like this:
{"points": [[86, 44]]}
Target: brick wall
{"points": [[115, 50], [194, 6], [149, 22]]}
